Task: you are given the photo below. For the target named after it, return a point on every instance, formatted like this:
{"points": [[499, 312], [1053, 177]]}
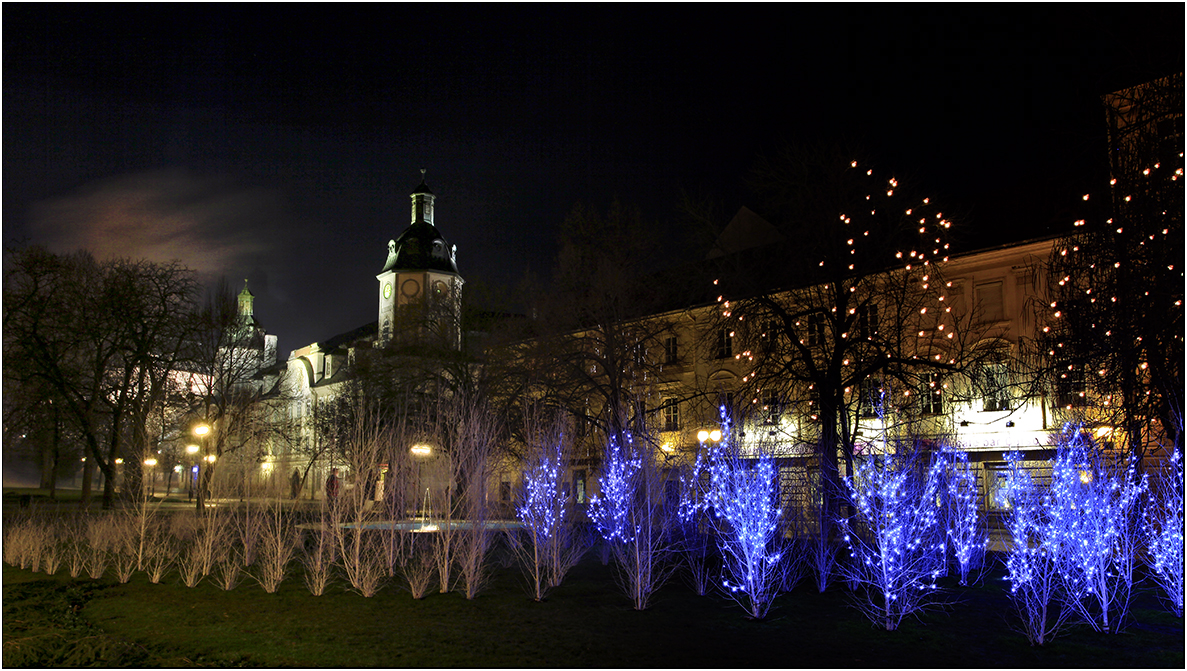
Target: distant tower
{"points": [[246, 305], [252, 334], [420, 290]]}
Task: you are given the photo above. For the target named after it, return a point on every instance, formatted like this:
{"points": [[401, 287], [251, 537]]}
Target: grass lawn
{"points": [[586, 622]]}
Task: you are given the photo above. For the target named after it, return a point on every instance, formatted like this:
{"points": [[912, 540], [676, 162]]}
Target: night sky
{"points": [[280, 142]]}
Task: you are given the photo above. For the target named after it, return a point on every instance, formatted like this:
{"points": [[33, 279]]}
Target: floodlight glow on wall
{"points": [[150, 462], [713, 435], [421, 450]]}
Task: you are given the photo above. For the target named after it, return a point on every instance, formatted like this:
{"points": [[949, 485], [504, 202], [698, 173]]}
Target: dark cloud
{"points": [[210, 224]]}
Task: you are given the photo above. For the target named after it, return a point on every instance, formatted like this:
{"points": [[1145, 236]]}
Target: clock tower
{"points": [[420, 290]]}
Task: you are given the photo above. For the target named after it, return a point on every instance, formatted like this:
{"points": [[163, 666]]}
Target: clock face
{"points": [[387, 289], [440, 287], [410, 288]]}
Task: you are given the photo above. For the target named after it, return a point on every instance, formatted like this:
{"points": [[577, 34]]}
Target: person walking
{"points": [[295, 484], [332, 486]]}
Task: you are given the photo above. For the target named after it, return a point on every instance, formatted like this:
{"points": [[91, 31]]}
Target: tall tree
{"points": [[101, 338], [596, 344], [1111, 340], [225, 357], [846, 313]]}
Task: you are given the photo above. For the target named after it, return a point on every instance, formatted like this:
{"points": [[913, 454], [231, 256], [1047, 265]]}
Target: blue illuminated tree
{"points": [[1164, 533], [544, 545], [968, 535], [696, 543], [1094, 510], [744, 504], [610, 510], [896, 540], [1032, 555], [630, 515]]}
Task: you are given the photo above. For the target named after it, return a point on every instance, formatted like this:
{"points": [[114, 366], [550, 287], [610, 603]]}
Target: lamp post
{"points": [[150, 472], [201, 431], [191, 450]]}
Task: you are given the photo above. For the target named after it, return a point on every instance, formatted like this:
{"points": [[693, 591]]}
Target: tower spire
{"points": [[246, 300], [422, 202]]}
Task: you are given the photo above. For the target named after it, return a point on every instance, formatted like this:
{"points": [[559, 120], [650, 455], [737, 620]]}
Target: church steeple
{"points": [[419, 287], [246, 305], [422, 202]]}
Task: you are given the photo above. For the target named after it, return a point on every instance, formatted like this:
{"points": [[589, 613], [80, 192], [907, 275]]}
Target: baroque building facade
{"points": [[968, 376], [419, 301]]}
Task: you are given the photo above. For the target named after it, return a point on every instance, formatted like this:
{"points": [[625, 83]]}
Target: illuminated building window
{"points": [[725, 344], [997, 487], [931, 397], [815, 330], [771, 408], [870, 403], [1071, 389], [671, 415], [991, 382], [867, 321], [671, 350], [769, 336], [990, 305], [579, 485]]}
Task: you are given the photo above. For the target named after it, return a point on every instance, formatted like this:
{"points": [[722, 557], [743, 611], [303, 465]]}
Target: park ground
{"points": [[585, 622]]}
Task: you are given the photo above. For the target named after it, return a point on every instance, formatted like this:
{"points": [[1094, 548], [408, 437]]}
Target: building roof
{"points": [[745, 231], [421, 247]]}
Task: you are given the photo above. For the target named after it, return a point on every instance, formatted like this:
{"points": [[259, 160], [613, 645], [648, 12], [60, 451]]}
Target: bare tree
{"points": [[968, 531], [745, 513], [849, 299], [277, 545], [102, 338], [319, 554], [473, 465], [1110, 347], [1094, 506], [420, 566], [225, 356], [354, 513], [696, 544]]}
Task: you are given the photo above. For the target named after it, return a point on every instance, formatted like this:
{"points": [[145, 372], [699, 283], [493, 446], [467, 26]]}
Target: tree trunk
{"points": [[84, 499], [56, 462], [830, 477]]}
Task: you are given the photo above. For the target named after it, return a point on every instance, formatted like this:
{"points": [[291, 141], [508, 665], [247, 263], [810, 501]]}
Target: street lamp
{"points": [[201, 430], [151, 473], [191, 450]]}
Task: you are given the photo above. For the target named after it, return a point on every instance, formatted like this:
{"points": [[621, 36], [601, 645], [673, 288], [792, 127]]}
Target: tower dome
{"points": [[420, 246]]}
